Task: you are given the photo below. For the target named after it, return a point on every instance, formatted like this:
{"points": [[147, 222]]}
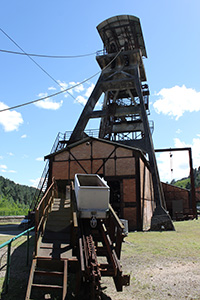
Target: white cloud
{"points": [[196, 152], [39, 159], [34, 182], [175, 167], [81, 100], [89, 90], [176, 101], [78, 88], [178, 131], [3, 167], [23, 136], [179, 161], [63, 85], [10, 154], [48, 103], [51, 88], [10, 119]]}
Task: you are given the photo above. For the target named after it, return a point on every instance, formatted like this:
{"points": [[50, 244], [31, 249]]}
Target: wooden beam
{"points": [[65, 279]]}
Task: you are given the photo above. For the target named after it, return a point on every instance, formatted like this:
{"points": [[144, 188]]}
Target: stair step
{"points": [[48, 273], [50, 265], [53, 227], [56, 254], [47, 286], [49, 269], [55, 245], [58, 215], [60, 218], [56, 236]]}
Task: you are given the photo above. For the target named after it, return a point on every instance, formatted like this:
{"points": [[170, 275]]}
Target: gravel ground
{"points": [[158, 280]]}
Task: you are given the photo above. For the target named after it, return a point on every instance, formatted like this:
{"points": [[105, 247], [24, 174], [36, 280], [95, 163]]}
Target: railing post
{"points": [[8, 264], [53, 189], [36, 229], [27, 255], [8, 267]]}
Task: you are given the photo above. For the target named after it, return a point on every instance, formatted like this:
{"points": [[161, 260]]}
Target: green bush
{"points": [[9, 208]]}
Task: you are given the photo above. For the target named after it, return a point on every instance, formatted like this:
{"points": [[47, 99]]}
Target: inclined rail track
{"points": [[90, 253], [95, 243]]}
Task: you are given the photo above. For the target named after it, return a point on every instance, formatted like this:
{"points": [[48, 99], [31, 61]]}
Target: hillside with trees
{"points": [[185, 182], [15, 199]]}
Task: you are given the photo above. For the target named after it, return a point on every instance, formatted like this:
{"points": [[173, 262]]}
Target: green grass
{"points": [[183, 243], [146, 248], [146, 254], [9, 223]]}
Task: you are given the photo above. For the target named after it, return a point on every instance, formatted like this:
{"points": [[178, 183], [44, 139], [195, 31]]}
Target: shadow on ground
{"points": [[19, 274], [19, 271], [11, 229]]}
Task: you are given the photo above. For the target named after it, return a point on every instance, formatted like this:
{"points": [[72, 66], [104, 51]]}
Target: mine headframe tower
{"points": [[126, 98]]}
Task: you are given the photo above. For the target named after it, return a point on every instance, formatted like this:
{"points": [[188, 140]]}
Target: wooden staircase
{"points": [[48, 277], [49, 268]]}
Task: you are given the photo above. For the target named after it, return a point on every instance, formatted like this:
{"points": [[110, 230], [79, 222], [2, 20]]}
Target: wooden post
{"points": [[36, 229]]}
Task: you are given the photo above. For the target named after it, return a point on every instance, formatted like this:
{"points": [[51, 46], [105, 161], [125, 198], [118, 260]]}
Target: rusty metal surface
{"points": [[82, 253], [97, 245]]}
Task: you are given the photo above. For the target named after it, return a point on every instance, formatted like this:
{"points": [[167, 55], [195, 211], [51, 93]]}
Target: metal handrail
{"points": [[8, 264]]}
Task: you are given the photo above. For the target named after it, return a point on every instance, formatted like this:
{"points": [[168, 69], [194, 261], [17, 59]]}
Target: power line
{"points": [[52, 95], [47, 56], [63, 91], [43, 70]]}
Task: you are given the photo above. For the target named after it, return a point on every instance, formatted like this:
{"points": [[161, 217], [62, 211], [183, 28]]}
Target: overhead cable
{"points": [[34, 61], [50, 96], [47, 56], [63, 91]]}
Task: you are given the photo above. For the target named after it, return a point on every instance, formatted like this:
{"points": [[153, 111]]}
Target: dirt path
{"points": [[158, 279]]}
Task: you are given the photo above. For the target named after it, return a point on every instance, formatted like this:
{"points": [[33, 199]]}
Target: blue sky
{"points": [[171, 30]]}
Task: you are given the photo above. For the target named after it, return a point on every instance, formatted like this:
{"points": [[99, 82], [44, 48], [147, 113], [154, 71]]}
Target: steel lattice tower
{"points": [[126, 98]]}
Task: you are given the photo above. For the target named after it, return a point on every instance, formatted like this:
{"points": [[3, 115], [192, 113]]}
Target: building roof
{"points": [[89, 138]]}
